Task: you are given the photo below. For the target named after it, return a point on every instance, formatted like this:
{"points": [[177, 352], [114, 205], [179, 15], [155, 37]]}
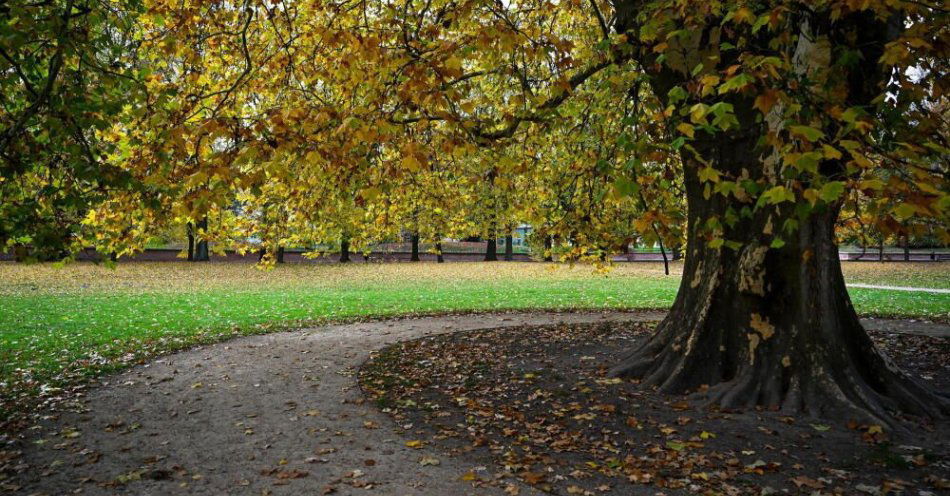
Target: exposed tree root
{"points": [[831, 385]]}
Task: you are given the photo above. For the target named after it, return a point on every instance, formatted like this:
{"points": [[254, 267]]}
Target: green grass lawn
{"points": [[60, 324]]}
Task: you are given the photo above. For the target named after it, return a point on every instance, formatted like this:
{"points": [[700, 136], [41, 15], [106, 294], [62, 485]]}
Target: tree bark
{"points": [[191, 242], [666, 262], [491, 249], [759, 323], [438, 253], [280, 254], [906, 248], [202, 253], [415, 248], [771, 327], [509, 248], [548, 246], [344, 250]]}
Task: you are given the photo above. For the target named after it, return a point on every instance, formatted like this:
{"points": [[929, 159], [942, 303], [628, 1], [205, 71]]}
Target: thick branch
{"points": [[551, 103]]}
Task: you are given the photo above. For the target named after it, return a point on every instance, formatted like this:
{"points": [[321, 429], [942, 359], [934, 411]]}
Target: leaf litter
{"points": [[536, 403]]}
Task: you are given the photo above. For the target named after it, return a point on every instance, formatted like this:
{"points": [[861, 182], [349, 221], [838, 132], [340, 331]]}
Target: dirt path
{"points": [[248, 415], [272, 414]]}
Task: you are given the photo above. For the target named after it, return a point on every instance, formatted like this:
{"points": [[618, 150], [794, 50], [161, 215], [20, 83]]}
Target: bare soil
{"points": [[536, 402]]}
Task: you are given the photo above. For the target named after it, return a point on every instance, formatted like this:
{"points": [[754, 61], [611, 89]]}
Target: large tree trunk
{"points": [[773, 327], [753, 324]]}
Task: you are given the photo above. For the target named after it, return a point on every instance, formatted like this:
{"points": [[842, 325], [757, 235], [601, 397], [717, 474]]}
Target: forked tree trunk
{"points": [[415, 248], [202, 253]]}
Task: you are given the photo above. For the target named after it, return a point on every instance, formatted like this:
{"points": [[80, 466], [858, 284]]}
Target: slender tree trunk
{"points": [[415, 248], [345, 250], [906, 248], [509, 248], [202, 253], [280, 254], [438, 253], [880, 250], [548, 246], [666, 263], [191, 242]]}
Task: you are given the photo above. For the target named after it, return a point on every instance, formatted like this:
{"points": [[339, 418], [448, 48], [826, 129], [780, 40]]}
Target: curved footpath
{"points": [[271, 414]]}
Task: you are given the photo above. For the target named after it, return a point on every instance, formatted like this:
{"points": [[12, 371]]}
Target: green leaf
{"points": [[677, 94], [851, 115], [809, 133], [831, 191], [778, 194], [708, 174], [904, 211], [626, 187], [735, 83], [675, 445]]}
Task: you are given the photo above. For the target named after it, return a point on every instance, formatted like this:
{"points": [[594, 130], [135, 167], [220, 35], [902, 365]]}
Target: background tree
{"points": [[67, 69]]}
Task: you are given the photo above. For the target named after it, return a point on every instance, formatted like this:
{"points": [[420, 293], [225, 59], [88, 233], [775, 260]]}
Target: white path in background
{"points": [[899, 288]]}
